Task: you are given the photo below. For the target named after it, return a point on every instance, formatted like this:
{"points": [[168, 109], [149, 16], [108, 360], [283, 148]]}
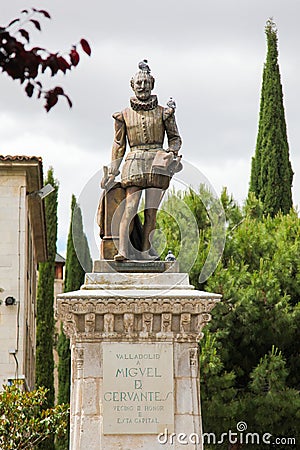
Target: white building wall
{"points": [[18, 264], [12, 254]]}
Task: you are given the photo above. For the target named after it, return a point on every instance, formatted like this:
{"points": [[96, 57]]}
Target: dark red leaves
{"points": [[86, 47], [36, 24], [51, 100], [55, 63], [63, 64], [13, 47], [45, 13], [69, 101], [35, 50], [27, 65], [74, 57], [58, 91], [12, 22], [32, 65], [29, 89], [15, 70], [24, 33], [38, 11], [52, 97], [51, 63]]}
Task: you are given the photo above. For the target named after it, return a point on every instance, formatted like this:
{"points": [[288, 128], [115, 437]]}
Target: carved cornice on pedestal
{"points": [[129, 306], [179, 319]]}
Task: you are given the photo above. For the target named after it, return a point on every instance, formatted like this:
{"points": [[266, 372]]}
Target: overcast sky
{"points": [[208, 55]]}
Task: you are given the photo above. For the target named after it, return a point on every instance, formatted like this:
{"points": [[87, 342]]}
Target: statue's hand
{"points": [[109, 176], [107, 181]]}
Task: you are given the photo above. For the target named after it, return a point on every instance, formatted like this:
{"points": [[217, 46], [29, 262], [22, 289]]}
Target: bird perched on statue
{"points": [[170, 256], [171, 103], [143, 65]]}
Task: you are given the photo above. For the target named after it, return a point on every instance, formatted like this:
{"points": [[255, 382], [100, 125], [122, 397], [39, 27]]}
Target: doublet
{"points": [[144, 130]]}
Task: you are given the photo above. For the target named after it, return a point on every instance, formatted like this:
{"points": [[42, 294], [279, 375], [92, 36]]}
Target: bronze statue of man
{"points": [[147, 166]]}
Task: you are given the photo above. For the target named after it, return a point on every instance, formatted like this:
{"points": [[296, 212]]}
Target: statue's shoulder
{"points": [[119, 116], [167, 113]]}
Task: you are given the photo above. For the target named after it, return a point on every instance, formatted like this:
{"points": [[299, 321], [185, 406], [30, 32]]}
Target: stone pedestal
{"points": [[135, 373]]}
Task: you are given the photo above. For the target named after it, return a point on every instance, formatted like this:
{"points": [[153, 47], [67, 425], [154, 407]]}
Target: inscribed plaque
{"points": [[138, 388]]}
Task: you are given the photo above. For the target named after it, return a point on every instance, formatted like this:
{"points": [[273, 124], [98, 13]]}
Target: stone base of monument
{"points": [[135, 373]]}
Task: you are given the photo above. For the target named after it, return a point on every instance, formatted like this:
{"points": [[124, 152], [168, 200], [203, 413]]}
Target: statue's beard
{"points": [[143, 96]]}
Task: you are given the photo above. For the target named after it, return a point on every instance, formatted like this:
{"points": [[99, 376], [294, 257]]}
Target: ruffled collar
{"points": [[147, 105]]}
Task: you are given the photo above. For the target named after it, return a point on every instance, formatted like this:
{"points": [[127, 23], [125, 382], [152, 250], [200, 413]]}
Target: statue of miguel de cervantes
{"points": [[147, 167]]}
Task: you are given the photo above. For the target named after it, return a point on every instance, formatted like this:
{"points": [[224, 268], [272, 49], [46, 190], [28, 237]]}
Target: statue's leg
{"points": [[153, 197], [133, 195]]}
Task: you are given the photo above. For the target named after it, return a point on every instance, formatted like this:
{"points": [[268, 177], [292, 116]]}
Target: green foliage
{"points": [[191, 224], [25, 420], [258, 278], [45, 299], [271, 172], [271, 405], [170, 219], [259, 281], [218, 391], [78, 255], [64, 368], [243, 376], [178, 227]]}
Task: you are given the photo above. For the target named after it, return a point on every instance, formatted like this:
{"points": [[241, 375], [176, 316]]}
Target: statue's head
{"points": [[142, 84]]}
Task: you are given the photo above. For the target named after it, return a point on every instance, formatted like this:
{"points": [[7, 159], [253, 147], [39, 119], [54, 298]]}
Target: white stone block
{"points": [[90, 435], [133, 443], [92, 366], [184, 396], [90, 400], [76, 398], [187, 425], [182, 359]]}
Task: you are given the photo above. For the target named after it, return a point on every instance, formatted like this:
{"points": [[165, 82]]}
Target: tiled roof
{"points": [[20, 158]]}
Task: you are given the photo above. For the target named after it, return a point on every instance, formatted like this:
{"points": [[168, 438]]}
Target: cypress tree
{"points": [[78, 255], [45, 309], [271, 172]]}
